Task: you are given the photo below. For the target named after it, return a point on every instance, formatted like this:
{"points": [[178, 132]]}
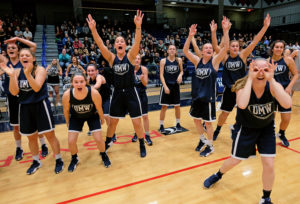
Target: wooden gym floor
{"points": [[172, 172]]}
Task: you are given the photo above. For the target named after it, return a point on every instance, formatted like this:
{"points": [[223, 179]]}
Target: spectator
{"points": [[18, 32], [296, 46], [27, 34], [65, 39], [69, 46], [2, 33], [266, 41], [64, 59], [85, 29], [76, 43], [87, 42], [78, 30]]}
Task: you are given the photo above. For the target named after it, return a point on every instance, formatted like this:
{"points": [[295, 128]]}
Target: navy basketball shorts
{"points": [[105, 106], [13, 109], [281, 109], [171, 99], [201, 110], [36, 117], [76, 124], [244, 145], [125, 101], [144, 102], [228, 100]]}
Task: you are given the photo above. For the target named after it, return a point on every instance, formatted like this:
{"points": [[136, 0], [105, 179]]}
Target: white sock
{"points": [[146, 133], [177, 120], [202, 137], [209, 142], [42, 140], [18, 143], [57, 156], [36, 157], [161, 122]]}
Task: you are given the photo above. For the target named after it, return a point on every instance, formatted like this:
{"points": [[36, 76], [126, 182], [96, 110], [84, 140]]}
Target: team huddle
{"points": [[266, 87]]}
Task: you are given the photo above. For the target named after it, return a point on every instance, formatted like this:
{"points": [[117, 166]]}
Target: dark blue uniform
{"points": [[73, 70], [124, 96], [13, 101], [281, 75], [141, 89], [105, 93], [257, 127], [81, 111], [233, 70], [204, 92], [171, 73], [53, 76], [35, 111]]}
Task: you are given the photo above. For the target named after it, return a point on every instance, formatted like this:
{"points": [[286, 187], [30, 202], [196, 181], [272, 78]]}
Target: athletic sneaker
{"points": [[216, 134], [211, 180], [209, 149], [178, 127], [265, 201], [134, 139], [34, 166], [114, 138], [148, 140], [44, 152], [59, 166], [89, 133], [200, 146], [105, 159], [204, 126], [19, 154], [162, 129], [73, 164], [108, 145], [143, 152], [283, 139]]}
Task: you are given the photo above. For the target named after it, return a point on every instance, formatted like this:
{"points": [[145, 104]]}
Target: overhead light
{"points": [[243, 8], [126, 14], [173, 2]]}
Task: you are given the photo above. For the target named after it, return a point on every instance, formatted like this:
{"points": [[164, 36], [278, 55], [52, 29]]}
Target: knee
{"points": [[145, 117], [268, 165], [113, 122], [164, 108]]}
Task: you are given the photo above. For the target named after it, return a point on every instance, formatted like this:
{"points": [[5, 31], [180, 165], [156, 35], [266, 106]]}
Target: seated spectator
{"points": [[64, 59], [2, 33], [87, 42], [65, 39], [9, 33], [79, 30], [73, 32], [94, 51], [27, 34], [18, 32], [147, 59], [85, 29], [296, 46], [69, 46], [76, 43]]}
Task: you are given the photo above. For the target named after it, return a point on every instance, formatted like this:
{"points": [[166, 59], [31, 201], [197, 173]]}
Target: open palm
{"points": [[138, 18]]}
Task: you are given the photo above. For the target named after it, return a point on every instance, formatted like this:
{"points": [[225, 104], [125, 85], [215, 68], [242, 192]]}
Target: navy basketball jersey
{"points": [[171, 71], [6, 77], [259, 112], [281, 74], [104, 89], [27, 95], [204, 82], [233, 70], [84, 108], [123, 73], [53, 71], [138, 83], [74, 69]]}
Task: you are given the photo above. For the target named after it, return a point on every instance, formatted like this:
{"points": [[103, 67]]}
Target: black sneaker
{"points": [[216, 134], [143, 152], [211, 180], [134, 139], [105, 160], [265, 201], [44, 152], [73, 164], [114, 138], [89, 133], [19, 154], [200, 146], [207, 151], [59, 166], [204, 126], [162, 129], [178, 127], [148, 140], [108, 145], [283, 139], [34, 166]]}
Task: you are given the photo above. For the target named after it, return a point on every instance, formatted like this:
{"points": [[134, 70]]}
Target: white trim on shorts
{"points": [[107, 114], [161, 96], [116, 117], [144, 114], [14, 125], [97, 130], [201, 118], [236, 142], [74, 131], [111, 96], [283, 111], [136, 117], [8, 112], [48, 115], [209, 110], [241, 158], [30, 134], [138, 97], [45, 131], [267, 155]]}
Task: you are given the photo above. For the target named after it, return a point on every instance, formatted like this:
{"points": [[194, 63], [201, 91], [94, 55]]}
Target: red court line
{"points": [[142, 181], [156, 177]]}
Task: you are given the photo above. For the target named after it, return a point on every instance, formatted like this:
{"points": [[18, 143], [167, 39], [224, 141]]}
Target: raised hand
{"points": [[226, 24], [138, 18], [8, 70], [267, 20], [91, 22], [11, 40], [270, 74], [213, 26], [193, 30]]}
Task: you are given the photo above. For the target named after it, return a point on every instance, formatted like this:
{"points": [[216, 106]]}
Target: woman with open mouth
{"points": [[13, 101], [255, 95], [204, 86], [285, 66], [34, 110], [235, 65], [83, 103], [124, 97]]}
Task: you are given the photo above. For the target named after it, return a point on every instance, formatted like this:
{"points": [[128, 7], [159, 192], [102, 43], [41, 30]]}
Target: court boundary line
{"points": [[159, 176]]}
